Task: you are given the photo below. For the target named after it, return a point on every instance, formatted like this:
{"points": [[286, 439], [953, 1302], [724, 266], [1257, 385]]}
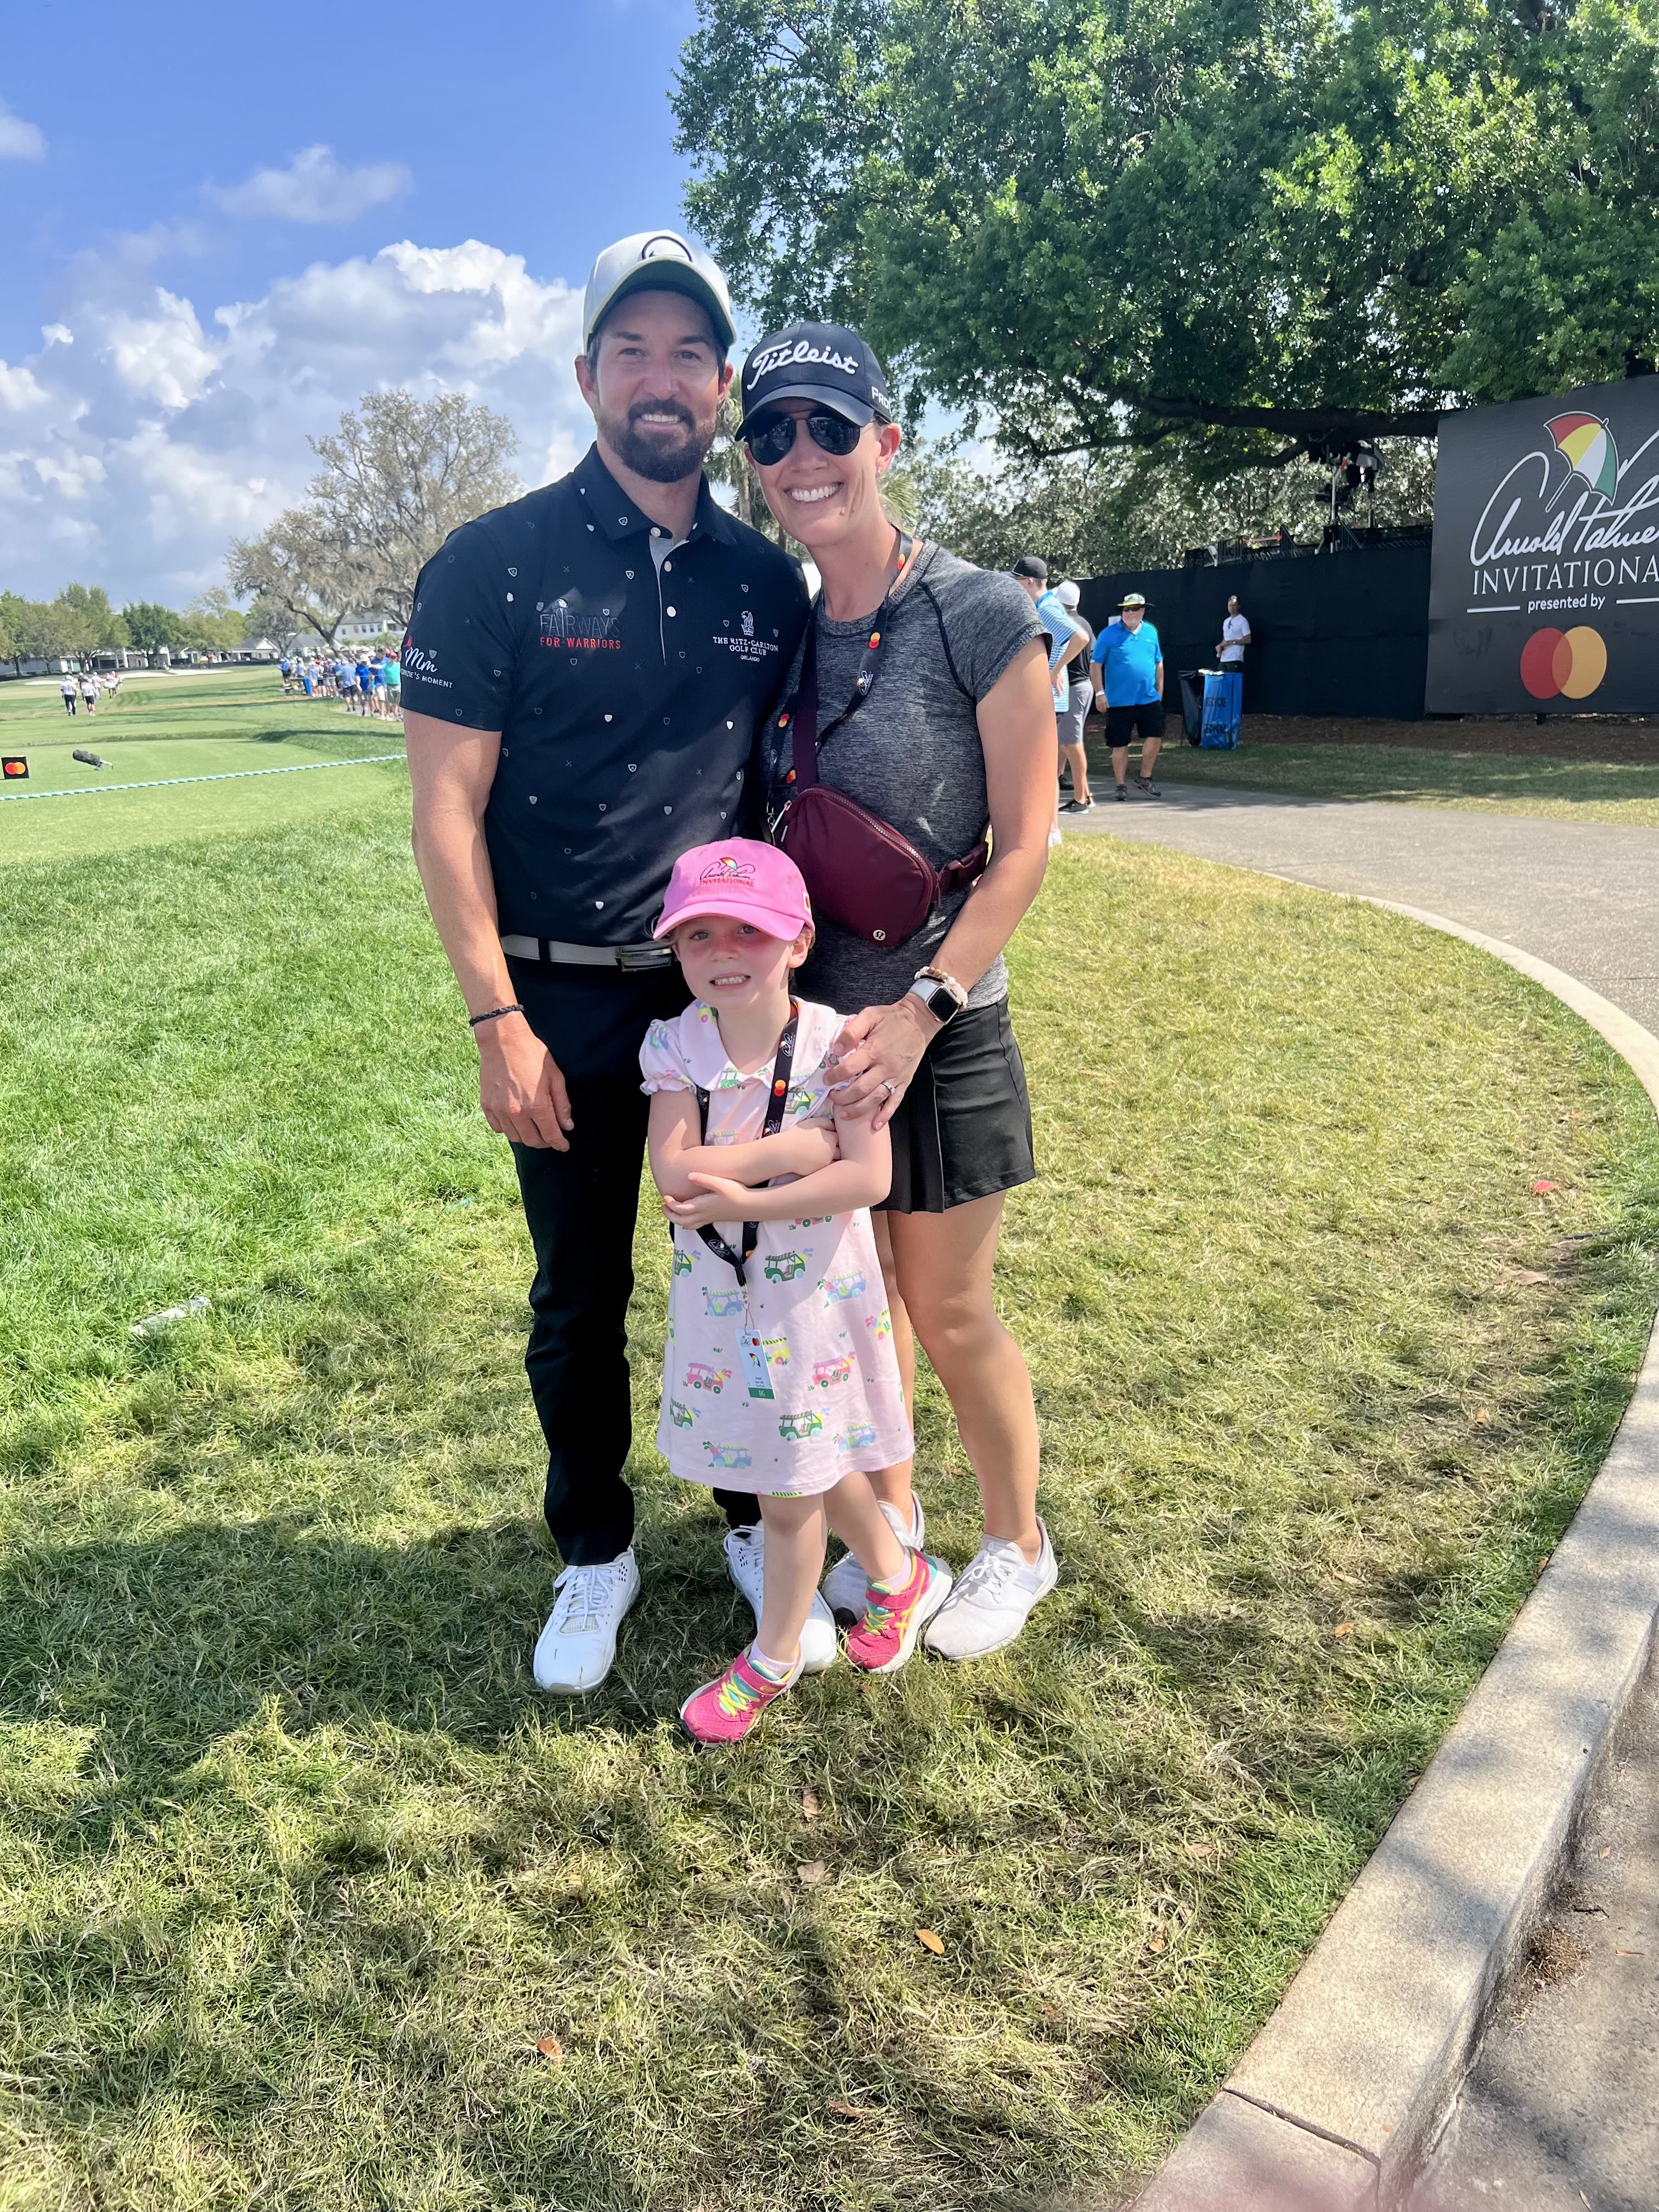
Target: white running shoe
{"points": [[993, 1598], [845, 1584], [573, 1652], [745, 1562]]}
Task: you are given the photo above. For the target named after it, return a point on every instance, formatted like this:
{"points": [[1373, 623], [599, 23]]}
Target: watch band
{"points": [[942, 976]]}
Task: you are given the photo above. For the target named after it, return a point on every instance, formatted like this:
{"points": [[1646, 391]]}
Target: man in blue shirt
{"points": [[1128, 676]]}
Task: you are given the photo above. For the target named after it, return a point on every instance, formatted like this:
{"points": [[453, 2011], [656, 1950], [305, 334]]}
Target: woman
{"points": [[953, 732]]}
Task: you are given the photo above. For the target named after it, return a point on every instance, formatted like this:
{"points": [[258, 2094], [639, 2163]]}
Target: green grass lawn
{"points": [[297, 1868], [220, 723], [1626, 792]]}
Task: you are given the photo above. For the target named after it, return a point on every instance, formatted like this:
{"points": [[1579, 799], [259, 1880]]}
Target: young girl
{"points": [[779, 1374]]}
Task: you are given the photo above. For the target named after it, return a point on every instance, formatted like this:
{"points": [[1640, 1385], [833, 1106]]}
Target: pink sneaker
{"points": [[893, 1620], [724, 1710]]}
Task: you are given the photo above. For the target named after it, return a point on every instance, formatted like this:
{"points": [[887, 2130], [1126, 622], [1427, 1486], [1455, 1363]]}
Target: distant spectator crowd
{"points": [[87, 689], [373, 686]]}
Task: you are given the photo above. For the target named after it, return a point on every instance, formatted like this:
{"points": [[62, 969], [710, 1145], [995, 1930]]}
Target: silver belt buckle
{"points": [[643, 956]]}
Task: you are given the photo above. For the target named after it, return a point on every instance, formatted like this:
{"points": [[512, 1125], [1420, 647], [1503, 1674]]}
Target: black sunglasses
{"points": [[769, 437]]}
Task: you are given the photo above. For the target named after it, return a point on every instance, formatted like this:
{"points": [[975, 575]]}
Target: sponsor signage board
{"points": [[1543, 592]]}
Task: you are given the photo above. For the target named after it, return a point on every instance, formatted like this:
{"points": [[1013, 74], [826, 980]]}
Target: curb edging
{"points": [[1340, 2096]]}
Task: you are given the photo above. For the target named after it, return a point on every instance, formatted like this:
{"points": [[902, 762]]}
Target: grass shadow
{"points": [[161, 1647]]}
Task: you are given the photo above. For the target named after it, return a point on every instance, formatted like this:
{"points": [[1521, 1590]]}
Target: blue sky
{"points": [[224, 226]]}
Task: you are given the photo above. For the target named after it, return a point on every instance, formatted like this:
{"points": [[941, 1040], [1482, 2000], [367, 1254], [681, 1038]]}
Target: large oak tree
{"points": [[1266, 223], [398, 477]]}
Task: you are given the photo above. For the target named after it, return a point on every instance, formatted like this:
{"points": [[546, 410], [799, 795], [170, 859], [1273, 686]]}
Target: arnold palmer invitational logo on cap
{"points": [[738, 874]]}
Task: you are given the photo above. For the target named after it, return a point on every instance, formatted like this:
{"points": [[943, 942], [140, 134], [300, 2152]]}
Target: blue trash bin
{"points": [[1224, 705]]}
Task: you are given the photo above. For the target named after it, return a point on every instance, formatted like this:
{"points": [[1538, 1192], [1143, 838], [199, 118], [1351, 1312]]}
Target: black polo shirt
{"points": [[628, 677]]}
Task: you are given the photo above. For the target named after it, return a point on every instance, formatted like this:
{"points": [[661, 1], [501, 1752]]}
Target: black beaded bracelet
{"points": [[495, 1014]]}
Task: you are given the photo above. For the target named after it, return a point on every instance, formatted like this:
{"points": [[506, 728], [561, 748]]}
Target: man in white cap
{"points": [[1070, 722], [584, 676]]}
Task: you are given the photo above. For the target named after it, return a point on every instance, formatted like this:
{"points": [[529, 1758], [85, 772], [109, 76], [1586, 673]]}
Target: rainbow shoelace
{"points": [[880, 1610], [736, 1698]]}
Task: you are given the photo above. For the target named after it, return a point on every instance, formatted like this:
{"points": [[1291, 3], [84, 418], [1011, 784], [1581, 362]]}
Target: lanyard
{"points": [[774, 1121], [804, 707]]}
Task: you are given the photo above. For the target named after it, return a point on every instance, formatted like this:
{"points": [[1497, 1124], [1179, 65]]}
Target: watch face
{"points": [[940, 1004]]}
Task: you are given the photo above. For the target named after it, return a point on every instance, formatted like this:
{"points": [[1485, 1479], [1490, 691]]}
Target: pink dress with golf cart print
{"points": [[816, 1300]]}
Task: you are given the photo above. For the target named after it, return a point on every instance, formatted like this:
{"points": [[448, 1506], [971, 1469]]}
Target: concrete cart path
{"points": [[1562, 2107], [1583, 896]]}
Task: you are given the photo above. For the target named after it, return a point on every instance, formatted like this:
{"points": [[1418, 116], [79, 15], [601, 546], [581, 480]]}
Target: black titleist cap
{"points": [[825, 362], [1032, 565]]}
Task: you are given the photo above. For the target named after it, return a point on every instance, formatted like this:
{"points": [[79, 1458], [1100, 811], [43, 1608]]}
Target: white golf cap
{"points": [[657, 261], [1068, 593]]}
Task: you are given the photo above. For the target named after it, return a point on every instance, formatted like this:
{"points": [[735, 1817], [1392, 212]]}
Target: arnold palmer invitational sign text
{"points": [[1545, 589]]}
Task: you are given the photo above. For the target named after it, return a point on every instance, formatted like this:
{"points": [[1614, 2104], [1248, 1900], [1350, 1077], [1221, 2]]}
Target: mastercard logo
{"points": [[1566, 664], [14, 764]]}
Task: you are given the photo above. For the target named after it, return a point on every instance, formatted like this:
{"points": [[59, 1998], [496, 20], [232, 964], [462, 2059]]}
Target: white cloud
{"points": [[19, 389], [314, 188], [132, 458], [19, 140]]}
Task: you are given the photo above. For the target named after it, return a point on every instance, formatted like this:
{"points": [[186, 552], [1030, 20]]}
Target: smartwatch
{"points": [[942, 995]]}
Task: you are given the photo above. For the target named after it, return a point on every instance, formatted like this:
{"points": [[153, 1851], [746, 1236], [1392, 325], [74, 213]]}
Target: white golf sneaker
{"points": [[745, 1562], [994, 1596], [573, 1652], [845, 1584]]}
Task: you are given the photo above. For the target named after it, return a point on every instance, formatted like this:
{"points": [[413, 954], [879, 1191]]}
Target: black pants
{"points": [[580, 1207]]}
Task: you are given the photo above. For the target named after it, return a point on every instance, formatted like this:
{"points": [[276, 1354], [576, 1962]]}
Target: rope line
{"points": [[227, 775]]}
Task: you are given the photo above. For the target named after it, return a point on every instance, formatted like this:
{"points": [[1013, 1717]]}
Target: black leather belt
{"points": [[626, 956]]}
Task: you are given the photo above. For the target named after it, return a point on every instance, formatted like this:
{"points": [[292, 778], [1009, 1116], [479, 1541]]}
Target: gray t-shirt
{"points": [[912, 753]]}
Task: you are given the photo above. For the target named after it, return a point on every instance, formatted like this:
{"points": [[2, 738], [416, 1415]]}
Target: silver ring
{"points": [[889, 1088]]}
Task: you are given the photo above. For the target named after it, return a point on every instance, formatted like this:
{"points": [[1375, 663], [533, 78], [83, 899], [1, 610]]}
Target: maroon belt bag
{"points": [[859, 869]]}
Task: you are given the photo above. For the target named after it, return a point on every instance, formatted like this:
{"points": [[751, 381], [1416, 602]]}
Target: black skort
{"points": [[963, 1128], [1123, 723]]}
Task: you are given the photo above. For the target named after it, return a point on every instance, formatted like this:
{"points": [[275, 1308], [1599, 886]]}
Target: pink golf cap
{"points": [[739, 877]]}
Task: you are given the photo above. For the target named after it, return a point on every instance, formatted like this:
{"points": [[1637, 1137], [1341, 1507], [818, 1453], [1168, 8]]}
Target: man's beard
{"points": [[658, 457]]}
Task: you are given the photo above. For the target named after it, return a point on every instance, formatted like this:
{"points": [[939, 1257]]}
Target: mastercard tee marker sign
{"points": [[1544, 597]]}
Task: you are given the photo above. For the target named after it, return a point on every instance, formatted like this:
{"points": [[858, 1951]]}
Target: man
{"points": [[1064, 633], [1235, 636], [1073, 719], [71, 692], [584, 676], [1128, 679]]}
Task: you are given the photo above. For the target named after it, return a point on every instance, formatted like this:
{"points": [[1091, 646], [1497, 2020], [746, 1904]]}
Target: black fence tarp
{"points": [[1336, 633]]}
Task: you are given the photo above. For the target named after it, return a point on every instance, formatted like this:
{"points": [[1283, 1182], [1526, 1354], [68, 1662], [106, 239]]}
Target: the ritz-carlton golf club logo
{"points": [[1564, 532]]}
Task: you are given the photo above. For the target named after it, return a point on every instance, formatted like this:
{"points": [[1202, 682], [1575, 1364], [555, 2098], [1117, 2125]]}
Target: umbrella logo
{"points": [[1585, 442], [1565, 664]]}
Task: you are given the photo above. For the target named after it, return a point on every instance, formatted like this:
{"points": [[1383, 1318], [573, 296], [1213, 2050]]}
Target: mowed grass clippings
{"points": [[299, 1869]]}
